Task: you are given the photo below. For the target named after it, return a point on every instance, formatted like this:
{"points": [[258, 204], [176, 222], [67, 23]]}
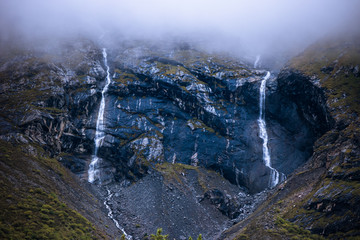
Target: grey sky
{"points": [[254, 25]]}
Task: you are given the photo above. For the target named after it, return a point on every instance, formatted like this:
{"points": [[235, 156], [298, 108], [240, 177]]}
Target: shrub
{"points": [[158, 235]]}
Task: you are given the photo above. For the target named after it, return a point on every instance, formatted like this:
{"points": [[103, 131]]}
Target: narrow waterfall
{"points": [[257, 60], [93, 172], [274, 174]]}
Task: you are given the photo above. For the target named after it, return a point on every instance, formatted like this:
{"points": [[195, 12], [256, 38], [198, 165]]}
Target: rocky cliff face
{"points": [[188, 107], [40, 198], [180, 128], [194, 108], [327, 204]]}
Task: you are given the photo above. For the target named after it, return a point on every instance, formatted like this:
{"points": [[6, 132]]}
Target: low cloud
{"points": [[237, 26]]}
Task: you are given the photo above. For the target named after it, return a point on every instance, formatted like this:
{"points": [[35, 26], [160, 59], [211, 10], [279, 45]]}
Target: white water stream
{"points": [[257, 60], [110, 215], [274, 174], [93, 172]]}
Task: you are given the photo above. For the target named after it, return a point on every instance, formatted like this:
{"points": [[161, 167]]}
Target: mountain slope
{"points": [[181, 143], [322, 197], [40, 198]]}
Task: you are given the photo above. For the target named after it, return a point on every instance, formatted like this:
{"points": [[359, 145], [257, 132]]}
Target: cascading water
{"points": [[93, 172], [110, 215], [275, 176], [257, 60]]}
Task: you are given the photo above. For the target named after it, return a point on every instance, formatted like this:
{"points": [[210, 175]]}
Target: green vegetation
{"points": [[290, 230], [214, 62], [158, 235], [184, 89], [50, 110], [241, 236], [173, 172], [125, 77], [339, 61], [336, 64], [171, 70], [30, 212], [40, 215]]}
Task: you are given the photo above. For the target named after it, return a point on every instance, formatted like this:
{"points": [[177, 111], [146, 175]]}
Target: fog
{"points": [[237, 26]]}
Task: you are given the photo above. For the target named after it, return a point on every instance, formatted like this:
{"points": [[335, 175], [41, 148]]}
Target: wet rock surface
{"points": [[164, 106], [321, 198], [193, 108], [187, 107]]}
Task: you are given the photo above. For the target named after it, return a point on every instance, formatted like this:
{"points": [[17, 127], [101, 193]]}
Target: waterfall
{"points": [[256, 63], [274, 174], [93, 172], [110, 215]]}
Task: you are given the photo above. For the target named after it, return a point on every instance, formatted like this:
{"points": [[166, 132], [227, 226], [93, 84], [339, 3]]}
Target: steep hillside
{"points": [[40, 198], [321, 199]]}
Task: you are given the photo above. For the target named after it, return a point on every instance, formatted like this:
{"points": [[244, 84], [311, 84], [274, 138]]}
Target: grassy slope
{"points": [[333, 62], [34, 192], [324, 195], [39, 198]]}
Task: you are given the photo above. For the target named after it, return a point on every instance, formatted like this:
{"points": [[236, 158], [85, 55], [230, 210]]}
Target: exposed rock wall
{"points": [[178, 106], [187, 107], [195, 109], [322, 197]]}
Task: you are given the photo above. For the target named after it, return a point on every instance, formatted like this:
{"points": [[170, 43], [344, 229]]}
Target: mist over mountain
{"points": [[239, 27], [230, 119]]}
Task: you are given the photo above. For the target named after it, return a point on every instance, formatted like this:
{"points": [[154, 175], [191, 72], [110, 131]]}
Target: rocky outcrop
{"points": [[322, 197], [309, 98]]}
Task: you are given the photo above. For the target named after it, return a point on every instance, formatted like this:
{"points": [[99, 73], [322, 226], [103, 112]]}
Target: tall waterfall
{"points": [[93, 172], [274, 174]]}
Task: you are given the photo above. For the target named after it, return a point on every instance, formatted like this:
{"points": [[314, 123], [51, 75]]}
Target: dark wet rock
{"points": [[322, 197], [187, 107], [296, 100], [327, 69], [198, 112], [223, 203], [190, 108]]}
